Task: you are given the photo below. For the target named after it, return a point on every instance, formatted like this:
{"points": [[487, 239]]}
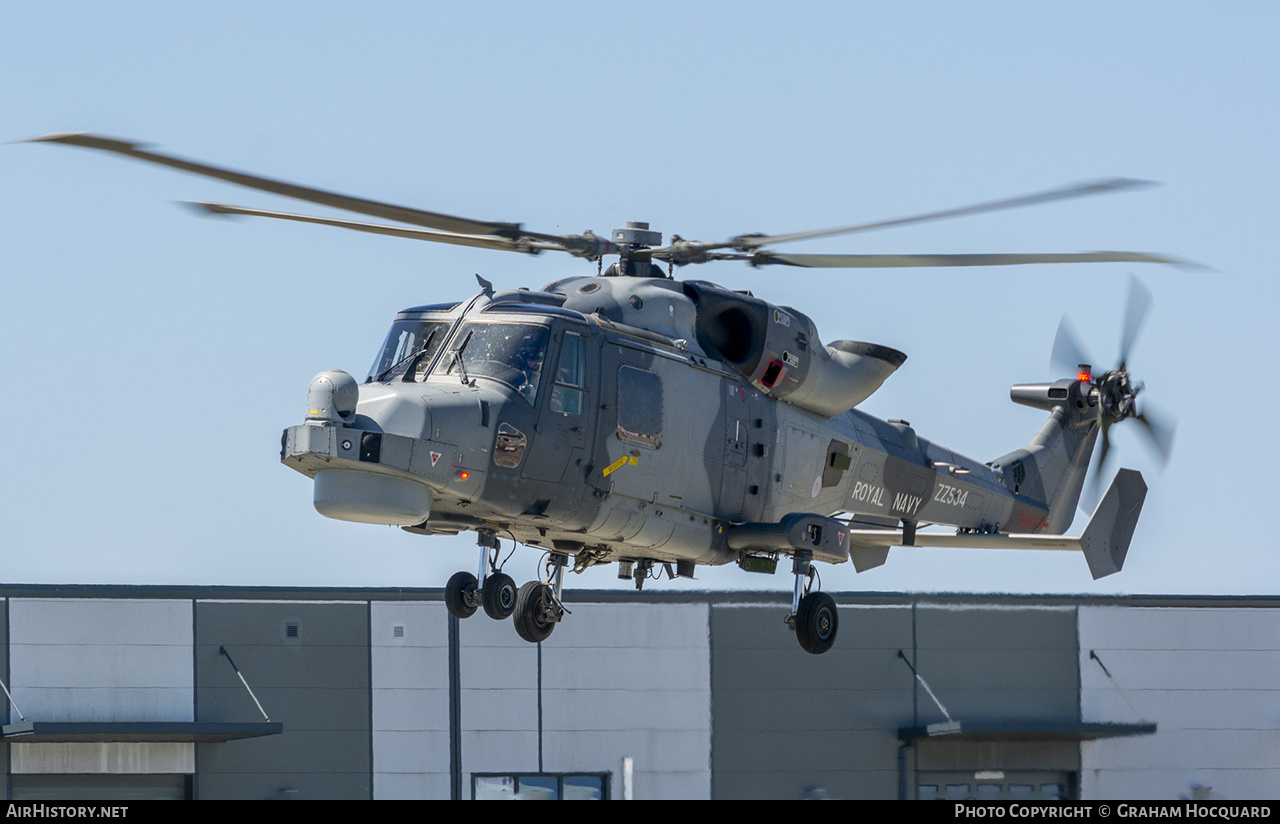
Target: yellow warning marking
{"points": [[618, 464]]}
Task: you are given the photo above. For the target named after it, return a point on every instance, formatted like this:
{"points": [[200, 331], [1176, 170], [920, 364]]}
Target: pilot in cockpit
{"points": [[528, 360]]}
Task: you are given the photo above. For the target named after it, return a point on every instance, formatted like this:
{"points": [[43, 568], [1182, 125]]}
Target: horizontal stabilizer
{"points": [[868, 557], [1105, 540]]}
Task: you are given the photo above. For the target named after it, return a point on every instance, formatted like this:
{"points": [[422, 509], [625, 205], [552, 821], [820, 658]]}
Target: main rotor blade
{"points": [[1134, 316], [764, 258], [746, 242], [1067, 353], [476, 241], [373, 208]]}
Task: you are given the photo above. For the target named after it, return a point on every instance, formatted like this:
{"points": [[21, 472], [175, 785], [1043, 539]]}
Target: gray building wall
{"points": [[316, 684], [998, 662], [706, 694], [787, 723], [618, 680], [1002, 666], [100, 660], [791, 725], [410, 693], [615, 681], [7, 787], [1209, 675]]}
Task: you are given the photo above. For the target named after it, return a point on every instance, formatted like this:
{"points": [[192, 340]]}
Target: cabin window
{"points": [[838, 460], [567, 394], [639, 406]]}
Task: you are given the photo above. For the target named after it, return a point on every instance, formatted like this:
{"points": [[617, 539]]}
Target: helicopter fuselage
{"points": [[591, 435]]}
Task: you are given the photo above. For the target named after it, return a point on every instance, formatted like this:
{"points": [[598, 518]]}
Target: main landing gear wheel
{"points": [[817, 622], [531, 602], [460, 595], [498, 596]]}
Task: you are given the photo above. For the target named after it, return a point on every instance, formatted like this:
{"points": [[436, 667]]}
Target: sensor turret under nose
{"points": [[331, 398]]}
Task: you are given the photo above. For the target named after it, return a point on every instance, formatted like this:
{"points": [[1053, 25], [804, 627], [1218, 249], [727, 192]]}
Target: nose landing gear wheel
{"points": [[460, 595], [817, 622], [499, 596], [531, 602]]}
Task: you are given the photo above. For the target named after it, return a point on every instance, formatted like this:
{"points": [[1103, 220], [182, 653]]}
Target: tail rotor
{"points": [[1114, 394]]}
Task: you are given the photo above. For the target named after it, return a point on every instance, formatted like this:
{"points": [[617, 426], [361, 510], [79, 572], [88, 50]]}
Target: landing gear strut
{"points": [[492, 589], [538, 607], [813, 617]]}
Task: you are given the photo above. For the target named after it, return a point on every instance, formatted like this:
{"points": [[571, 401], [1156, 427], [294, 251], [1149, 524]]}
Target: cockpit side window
{"points": [[567, 393], [409, 346], [508, 352]]}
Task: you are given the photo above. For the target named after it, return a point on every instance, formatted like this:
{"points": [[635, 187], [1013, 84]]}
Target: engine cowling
{"points": [[777, 349]]}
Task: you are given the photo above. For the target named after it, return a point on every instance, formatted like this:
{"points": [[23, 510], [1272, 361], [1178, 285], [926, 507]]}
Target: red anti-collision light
{"points": [[1083, 374], [463, 475]]}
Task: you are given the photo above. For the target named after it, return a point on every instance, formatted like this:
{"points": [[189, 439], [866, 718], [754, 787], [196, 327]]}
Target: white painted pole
{"points": [[628, 778]]}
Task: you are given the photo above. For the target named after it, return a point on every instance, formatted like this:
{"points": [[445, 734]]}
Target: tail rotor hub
{"points": [[1116, 396]]}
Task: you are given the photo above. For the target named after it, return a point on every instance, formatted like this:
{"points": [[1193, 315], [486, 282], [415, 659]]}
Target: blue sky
{"points": [[152, 357]]}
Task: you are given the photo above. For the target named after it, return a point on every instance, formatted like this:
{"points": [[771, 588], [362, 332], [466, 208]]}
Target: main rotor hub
{"points": [[634, 238], [637, 236]]}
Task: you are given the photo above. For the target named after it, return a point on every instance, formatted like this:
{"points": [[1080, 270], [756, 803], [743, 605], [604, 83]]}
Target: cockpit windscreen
{"points": [[507, 352], [409, 347]]}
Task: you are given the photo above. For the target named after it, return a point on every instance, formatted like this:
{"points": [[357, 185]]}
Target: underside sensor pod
{"points": [[826, 538]]}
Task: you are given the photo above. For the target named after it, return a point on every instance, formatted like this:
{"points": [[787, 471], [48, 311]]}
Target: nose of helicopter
{"points": [[386, 453], [357, 446], [370, 497]]}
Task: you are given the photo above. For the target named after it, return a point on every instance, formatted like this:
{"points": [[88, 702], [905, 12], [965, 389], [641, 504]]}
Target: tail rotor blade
{"points": [[1160, 431], [1115, 392], [1090, 495], [1135, 315], [1067, 353], [1103, 452]]}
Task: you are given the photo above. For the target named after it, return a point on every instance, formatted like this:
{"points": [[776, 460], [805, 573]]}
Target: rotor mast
{"points": [[633, 244]]}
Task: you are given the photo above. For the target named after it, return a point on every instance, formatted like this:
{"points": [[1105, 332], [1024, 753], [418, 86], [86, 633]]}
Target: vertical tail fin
{"points": [[1106, 538], [1052, 468]]}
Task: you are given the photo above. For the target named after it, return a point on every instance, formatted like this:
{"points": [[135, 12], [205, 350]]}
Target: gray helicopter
{"points": [[630, 417]]}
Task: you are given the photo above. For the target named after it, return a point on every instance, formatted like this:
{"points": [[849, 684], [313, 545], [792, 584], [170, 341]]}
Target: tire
{"points": [[817, 622], [529, 602], [498, 596], [460, 595]]}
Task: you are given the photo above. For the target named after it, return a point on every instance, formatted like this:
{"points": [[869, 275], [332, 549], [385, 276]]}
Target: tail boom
{"points": [[1104, 542]]}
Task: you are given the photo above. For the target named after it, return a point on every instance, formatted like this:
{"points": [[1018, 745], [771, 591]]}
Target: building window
{"points": [[993, 785], [540, 786]]}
